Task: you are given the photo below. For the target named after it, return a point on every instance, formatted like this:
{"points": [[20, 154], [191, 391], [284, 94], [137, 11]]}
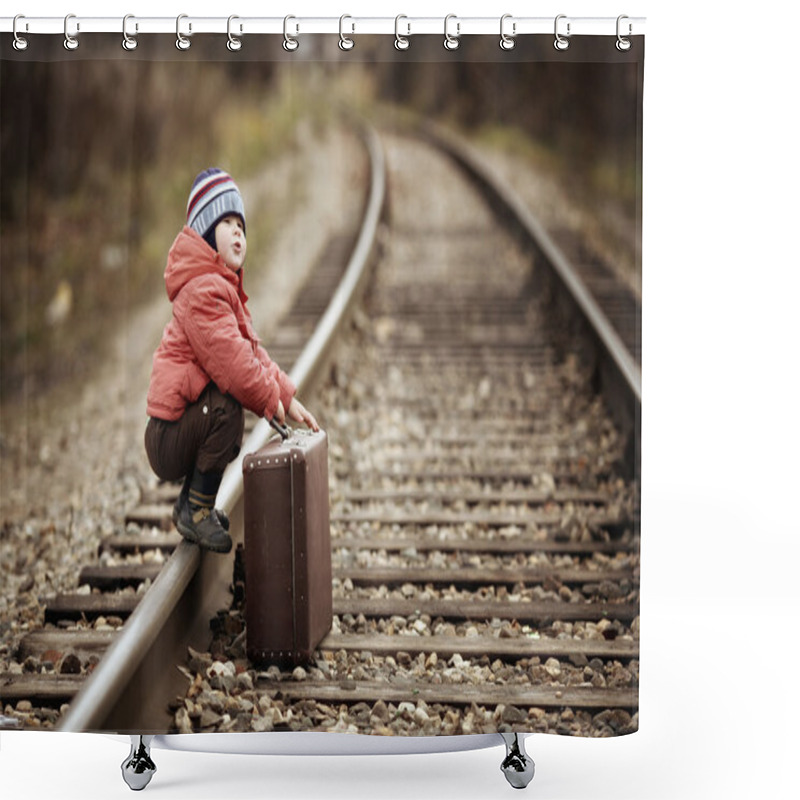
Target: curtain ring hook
{"points": [[623, 44], [401, 42], [182, 42], [129, 42], [290, 43], [344, 42], [70, 41], [451, 42], [20, 42], [561, 42], [234, 42], [507, 41]]}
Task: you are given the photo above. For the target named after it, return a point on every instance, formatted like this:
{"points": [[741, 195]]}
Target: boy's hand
{"points": [[280, 414], [298, 413]]}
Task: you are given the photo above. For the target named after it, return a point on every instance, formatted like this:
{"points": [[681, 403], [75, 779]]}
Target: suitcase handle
{"points": [[283, 430]]}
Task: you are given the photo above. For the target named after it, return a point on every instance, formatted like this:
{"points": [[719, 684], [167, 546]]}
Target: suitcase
{"points": [[288, 588]]}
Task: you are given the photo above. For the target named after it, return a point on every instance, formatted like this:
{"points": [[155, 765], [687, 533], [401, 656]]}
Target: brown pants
{"points": [[208, 436]]}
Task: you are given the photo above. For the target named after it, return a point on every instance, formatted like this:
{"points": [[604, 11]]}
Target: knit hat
{"points": [[214, 195]]}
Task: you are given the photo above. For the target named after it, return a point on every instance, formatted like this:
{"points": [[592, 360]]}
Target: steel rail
{"points": [[620, 375], [193, 585]]}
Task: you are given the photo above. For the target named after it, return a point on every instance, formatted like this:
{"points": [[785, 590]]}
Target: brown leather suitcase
{"points": [[287, 548]]}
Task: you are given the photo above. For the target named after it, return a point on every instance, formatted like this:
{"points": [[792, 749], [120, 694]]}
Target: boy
{"points": [[209, 364]]}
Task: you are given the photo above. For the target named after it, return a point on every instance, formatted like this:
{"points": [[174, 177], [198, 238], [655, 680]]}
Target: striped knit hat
{"points": [[214, 195]]}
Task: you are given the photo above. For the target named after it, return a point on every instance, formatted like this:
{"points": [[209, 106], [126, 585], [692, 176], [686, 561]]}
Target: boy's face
{"points": [[231, 241]]}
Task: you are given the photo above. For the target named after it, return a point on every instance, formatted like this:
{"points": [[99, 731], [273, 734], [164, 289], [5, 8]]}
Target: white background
{"points": [[720, 604]]}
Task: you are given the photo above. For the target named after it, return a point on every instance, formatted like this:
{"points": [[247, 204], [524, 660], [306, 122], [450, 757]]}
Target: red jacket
{"points": [[210, 338]]}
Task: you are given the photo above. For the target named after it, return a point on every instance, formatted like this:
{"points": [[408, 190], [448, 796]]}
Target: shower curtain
{"points": [[484, 558]]}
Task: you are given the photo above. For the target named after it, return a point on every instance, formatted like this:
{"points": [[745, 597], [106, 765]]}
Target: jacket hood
{"points": [[191, 256]]}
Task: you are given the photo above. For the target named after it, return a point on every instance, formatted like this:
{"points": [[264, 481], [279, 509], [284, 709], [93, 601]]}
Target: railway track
{"points": [[484, 503]]}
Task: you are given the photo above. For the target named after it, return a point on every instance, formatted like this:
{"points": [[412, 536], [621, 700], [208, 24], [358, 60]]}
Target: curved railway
{"points": [[483, 412]]}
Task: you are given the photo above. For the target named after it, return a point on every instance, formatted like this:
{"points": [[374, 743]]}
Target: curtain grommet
{"points": [[345, 43], [20, 43], [234, 43], [561, 42], [290, 43], [451, 42], [401, 42], [623, 44], [70, 41], [182, 42], [129, 42], [507, 41]]}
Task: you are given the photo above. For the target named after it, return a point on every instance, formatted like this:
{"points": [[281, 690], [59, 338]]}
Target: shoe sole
{"points": [[216, 548]]}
